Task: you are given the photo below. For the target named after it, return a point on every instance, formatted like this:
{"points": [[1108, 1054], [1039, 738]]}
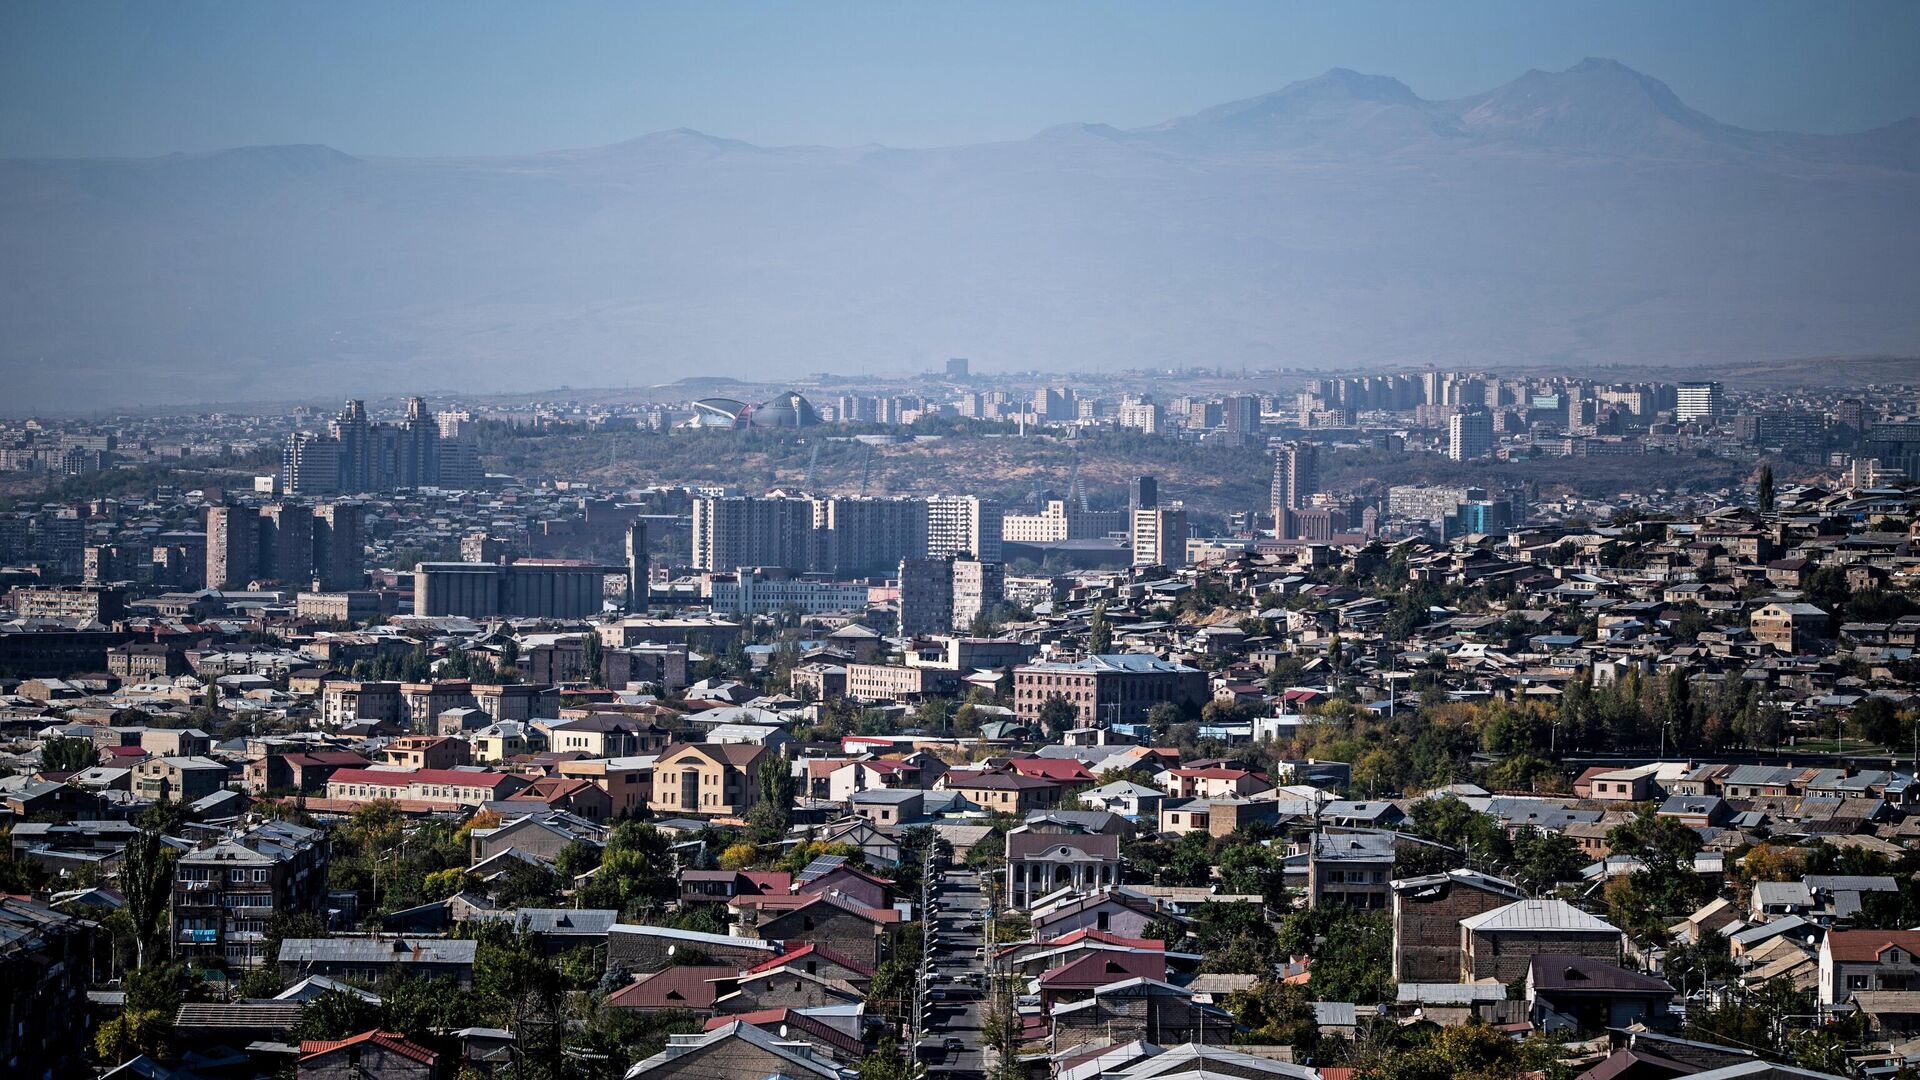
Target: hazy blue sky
{"points": [[410, 78]]}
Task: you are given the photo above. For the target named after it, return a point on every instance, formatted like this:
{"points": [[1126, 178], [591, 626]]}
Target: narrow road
{"points": [[955, 987]]}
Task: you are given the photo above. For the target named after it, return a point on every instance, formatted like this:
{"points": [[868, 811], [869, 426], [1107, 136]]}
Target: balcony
{"points": [[199, 937]]}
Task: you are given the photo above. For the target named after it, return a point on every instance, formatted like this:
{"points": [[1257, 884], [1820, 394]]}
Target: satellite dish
{"points": [[783, 1031], [670, 949]]}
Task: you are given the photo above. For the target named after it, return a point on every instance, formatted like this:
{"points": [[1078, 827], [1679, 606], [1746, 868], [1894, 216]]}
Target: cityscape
{"points": [[1021, 715]]}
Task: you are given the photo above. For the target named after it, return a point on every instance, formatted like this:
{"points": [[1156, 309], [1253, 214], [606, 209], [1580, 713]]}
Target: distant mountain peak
{"points": [[1597, 105]]}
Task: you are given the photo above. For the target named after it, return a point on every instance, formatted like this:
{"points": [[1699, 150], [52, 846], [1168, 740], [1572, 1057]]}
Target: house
{"points": [[1119, 911], [1426, 920], [1581, 994], [1211, 782], [303, 773], [1790, 627], [1856, 960], [541, 834], [740, 1049], [651, 948], [1006, 793], [1138, 1008], [1126, 798], [372, 960], [181, 779], [226, 893], [1497, 944], [447, 788], [786, 987], [368, 1054], [581, 798], [707, 779], [692, 987], [1355, 869], [1039, 863], [819, 1029], [887, 809], [821, 961], [848, 928], [1078, 979]]}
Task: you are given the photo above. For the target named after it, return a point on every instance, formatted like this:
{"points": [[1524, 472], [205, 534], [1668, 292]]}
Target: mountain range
{"points": [[1578, 217]]}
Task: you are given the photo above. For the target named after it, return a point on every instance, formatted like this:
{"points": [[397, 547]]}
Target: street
{"points": [[957, 979]]}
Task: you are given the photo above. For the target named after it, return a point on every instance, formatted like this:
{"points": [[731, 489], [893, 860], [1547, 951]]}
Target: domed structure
{"points": [[719, 412], [788, 410]]}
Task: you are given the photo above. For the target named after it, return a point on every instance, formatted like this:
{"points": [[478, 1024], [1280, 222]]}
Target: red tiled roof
{"points": [[1074, 937], [1867, 945], [403, 777], [312, 1048], [1104, 967], [1057, 769], [821, 951], [679, 987]]}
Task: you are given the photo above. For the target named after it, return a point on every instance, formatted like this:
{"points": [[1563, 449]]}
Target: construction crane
{"points": [[866, 470], [806, 482], [1076, 495]]}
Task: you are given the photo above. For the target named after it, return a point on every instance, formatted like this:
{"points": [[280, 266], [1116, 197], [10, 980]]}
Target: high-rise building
{"points": [[547, 589], [1697, 401], [1143, 493], [637, 566], [1296, 479], [742, 530], [286, 543], [964, 525], [311, 464], [339, 539], [855, 537], [926, 596], [233, 546], [957, 367], [1242, 414], [1469, 434], [1160, 538], [351, 431], [1050, 403], [979, 587]]}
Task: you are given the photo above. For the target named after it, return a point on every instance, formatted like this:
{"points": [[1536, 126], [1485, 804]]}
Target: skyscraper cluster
{"points": [[287, 542], [358, 455]]}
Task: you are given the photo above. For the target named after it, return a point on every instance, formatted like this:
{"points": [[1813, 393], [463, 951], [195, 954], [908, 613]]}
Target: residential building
{"points": [[707, 779], [227, 892], [1112, 688], [1355, 869]]}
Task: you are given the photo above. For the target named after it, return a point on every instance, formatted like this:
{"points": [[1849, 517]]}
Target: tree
{"points": [[1277, 1014], [1099, 632], [739, 856], [1876, 720], [1057, 716], [1766, 489], [593, 660], [146, 876], [64, 753], [1544, 859]]}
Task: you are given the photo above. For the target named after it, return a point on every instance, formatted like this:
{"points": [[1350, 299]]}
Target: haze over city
{"points": [[989, 541], [230, 204]]}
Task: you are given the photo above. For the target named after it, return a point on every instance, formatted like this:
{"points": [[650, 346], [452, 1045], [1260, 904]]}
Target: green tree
{"points": [[146, 876], [1766, 489], [64, 753], [1099, 632], [1057, 716], [1544, 859], [593, 659]]}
